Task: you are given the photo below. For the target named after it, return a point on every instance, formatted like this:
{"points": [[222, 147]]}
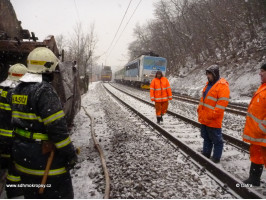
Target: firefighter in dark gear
{"points": [[38, 120], [15, 72]]}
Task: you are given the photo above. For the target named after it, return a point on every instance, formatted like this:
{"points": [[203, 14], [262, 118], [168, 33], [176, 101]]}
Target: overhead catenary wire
{"points": [[77, 12], [118, 27], [123, 29]]}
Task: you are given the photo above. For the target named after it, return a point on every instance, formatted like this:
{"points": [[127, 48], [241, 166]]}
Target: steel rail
{"points": [[237, 143], [232, 107], [229, 108], [231, 181]]}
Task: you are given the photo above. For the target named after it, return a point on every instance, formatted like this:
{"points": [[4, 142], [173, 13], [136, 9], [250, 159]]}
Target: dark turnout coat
{"points": [[5, 126], [37, 116], [6, 140]]}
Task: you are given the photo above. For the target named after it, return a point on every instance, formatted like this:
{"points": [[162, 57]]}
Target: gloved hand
{"points": [[71, 161]]}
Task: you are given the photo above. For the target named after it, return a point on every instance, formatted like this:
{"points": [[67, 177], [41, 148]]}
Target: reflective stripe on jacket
{"points": [[160, 90], [255, 128], [41, 112], [36, 172], [37, 115], [6, 128], [211, 109], [13, 178]]}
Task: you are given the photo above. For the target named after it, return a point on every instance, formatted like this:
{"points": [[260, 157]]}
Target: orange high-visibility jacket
{"points": [[211, 109], [160, 90], [255, 128]]}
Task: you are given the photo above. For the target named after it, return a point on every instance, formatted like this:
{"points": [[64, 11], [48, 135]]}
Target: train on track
{"points": [[141, 71], [106, 74]]}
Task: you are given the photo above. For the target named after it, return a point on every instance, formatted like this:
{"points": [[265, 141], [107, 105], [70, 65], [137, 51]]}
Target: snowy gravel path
{"points": [[150, 168], [87, 176], [233, 160], [140, 164]]}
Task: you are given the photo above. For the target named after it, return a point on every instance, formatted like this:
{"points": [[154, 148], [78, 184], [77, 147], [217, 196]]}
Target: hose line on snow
{"points": [[106, 173]]}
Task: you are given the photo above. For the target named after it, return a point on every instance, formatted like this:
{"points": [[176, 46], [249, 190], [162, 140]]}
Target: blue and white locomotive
{"points": [[141, 71]]}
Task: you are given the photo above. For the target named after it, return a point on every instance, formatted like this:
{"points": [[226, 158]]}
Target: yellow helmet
{"points": [[16, 71], [42, 60]]}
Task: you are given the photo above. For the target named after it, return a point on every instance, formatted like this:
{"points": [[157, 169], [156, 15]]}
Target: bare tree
{"points": [[80, 47], [198, 31], [60, 42]]}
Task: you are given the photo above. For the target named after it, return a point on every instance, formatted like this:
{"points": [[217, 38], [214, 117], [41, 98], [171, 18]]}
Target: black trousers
{"points": [[57, 187], [12, 190]]}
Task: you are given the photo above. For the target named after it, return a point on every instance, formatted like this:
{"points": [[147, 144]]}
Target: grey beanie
{"points": [[263, 66], [214, 69]]}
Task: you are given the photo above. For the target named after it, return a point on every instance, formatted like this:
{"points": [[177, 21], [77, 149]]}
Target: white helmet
{"points": [[41, 60], [16, 71]]}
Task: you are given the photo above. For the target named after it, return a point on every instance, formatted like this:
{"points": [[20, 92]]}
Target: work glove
{"points": [[72, 157], [71, 161]]}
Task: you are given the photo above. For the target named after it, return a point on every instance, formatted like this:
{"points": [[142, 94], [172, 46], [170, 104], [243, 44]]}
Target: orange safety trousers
{"points": [[161, 108], [257, 154]]}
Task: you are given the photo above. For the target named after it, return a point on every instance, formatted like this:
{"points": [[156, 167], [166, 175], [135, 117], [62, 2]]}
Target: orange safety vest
{"points": [[211, 109], [255, 128], [160, 90]]}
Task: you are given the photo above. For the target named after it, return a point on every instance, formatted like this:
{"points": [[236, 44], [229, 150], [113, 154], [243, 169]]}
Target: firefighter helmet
{"points": [[16, 71], [42, 60]]}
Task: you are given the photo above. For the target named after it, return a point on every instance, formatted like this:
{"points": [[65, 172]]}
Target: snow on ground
{"points": [[140, 164], [88, 172], [232, 124], [232, 161]]}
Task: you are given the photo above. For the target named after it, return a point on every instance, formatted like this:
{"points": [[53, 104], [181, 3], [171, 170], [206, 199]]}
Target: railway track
{"points": [[236, 109], [230, 105], [190, 144], [238, 143], [233, 124], [231, 108]]}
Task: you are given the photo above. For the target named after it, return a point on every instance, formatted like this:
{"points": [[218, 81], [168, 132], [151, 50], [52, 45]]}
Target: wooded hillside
{"points": [[195, 33]]}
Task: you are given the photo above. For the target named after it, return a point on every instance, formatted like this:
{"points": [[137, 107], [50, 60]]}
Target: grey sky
{"points": [[46, 17]]}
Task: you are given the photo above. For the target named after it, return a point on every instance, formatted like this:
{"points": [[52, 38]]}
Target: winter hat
{"points": [[214, 69], [159, 72], [263, 66]]}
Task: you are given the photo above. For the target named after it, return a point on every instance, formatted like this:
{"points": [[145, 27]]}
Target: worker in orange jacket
{"points": [[255, 131], [160, 92], [215, 98]]}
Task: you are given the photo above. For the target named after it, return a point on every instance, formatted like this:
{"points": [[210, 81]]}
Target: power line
{"points": [[119, 26], [127, 23], [124, 28], [77, 10]]}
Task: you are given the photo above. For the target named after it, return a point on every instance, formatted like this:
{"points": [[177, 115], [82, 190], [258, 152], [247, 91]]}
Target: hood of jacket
{"points": [[214, 69]]}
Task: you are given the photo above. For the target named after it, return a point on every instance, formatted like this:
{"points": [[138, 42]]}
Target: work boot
{"points": [[215, 160], [206, 155], [158, 120], [254, 174]]}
